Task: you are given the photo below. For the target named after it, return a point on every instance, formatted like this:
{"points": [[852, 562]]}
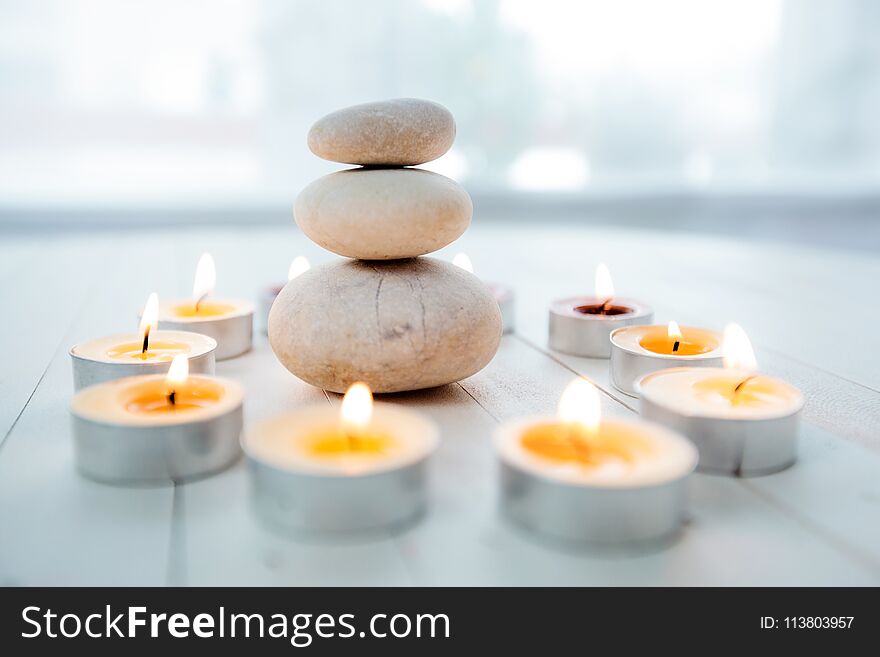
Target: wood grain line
{"points": [[477, 402], [819, 369], [176, 571], [848, 409], [598, 384], [868, 560], [58, 351], [24, 407]]}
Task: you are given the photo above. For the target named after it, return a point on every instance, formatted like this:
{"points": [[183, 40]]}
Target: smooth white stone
{"points": [[399, 132], [401, 325], [382, 214]]}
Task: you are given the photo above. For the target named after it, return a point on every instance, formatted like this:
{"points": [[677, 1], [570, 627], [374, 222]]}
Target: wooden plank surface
{"points": [[57, 528], [813, 524], [45, 286]]}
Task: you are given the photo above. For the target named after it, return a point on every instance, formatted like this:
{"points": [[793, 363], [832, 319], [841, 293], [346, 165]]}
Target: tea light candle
{"points": [[228, 321], [157, 429], [640, 350], [362, 468], [581, 477], [743, 423], [299, 265], [146, 352], [503, 294], [580, 326]]}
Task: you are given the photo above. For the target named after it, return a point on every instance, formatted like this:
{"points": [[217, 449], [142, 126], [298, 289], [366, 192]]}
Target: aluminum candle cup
{"points": [[267, 298], [307, 477], [640, 350], [122, 355], [505, 298], [229, 322], [635, 499], [124, 432], [747, 433], [503, 294], [299, 265], [581, 326]]}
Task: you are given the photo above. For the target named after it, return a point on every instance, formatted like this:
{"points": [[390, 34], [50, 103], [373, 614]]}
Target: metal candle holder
{"points": [[233, 332], [267, 298], [88, 371], [578, 333], [138, 453], [590, 513], [505, 297], [747, 447], [629, 364], [310, 501]]}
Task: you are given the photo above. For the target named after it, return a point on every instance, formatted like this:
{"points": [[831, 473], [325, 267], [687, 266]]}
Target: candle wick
{"points": [[675, 346], [199, 300], [603, 309], [171, 398], [739, 386], [580, 447], [352, 440], [146, 339]]}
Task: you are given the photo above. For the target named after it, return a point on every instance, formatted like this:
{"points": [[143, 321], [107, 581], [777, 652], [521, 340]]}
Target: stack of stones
{"points": [[387, 317]]}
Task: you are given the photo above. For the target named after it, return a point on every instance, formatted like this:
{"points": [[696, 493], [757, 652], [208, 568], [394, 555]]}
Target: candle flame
{"points": [[673, 331], [462, 260], [580, 404], [604, 285], [206, 277], [150, 315], [179, 370], [299, 265], [738, 352], [357, 408]]}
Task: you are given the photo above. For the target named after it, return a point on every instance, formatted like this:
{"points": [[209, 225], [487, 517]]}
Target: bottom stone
{"points": [[394, 324]]}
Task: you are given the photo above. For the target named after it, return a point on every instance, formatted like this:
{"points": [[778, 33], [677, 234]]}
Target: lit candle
{"points": [[228, 321], [743, 423], [298, 266], [157, 428], [148, 351], [580, 326], [640, 350], [582, 477], [503, 294], [362, 468]]}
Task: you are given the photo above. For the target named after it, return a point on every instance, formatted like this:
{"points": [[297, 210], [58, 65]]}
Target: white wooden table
{"points": [[813, 314]]}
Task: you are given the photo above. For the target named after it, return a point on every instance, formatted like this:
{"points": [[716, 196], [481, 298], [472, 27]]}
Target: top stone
{"points": [[400, 132]]}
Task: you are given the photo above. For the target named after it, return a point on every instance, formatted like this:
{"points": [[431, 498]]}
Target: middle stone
{"points": [[383, 214], [401, 325]]}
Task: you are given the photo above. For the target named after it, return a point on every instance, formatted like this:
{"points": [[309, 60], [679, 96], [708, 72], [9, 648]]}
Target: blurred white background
{"points": [[205, 104]]}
